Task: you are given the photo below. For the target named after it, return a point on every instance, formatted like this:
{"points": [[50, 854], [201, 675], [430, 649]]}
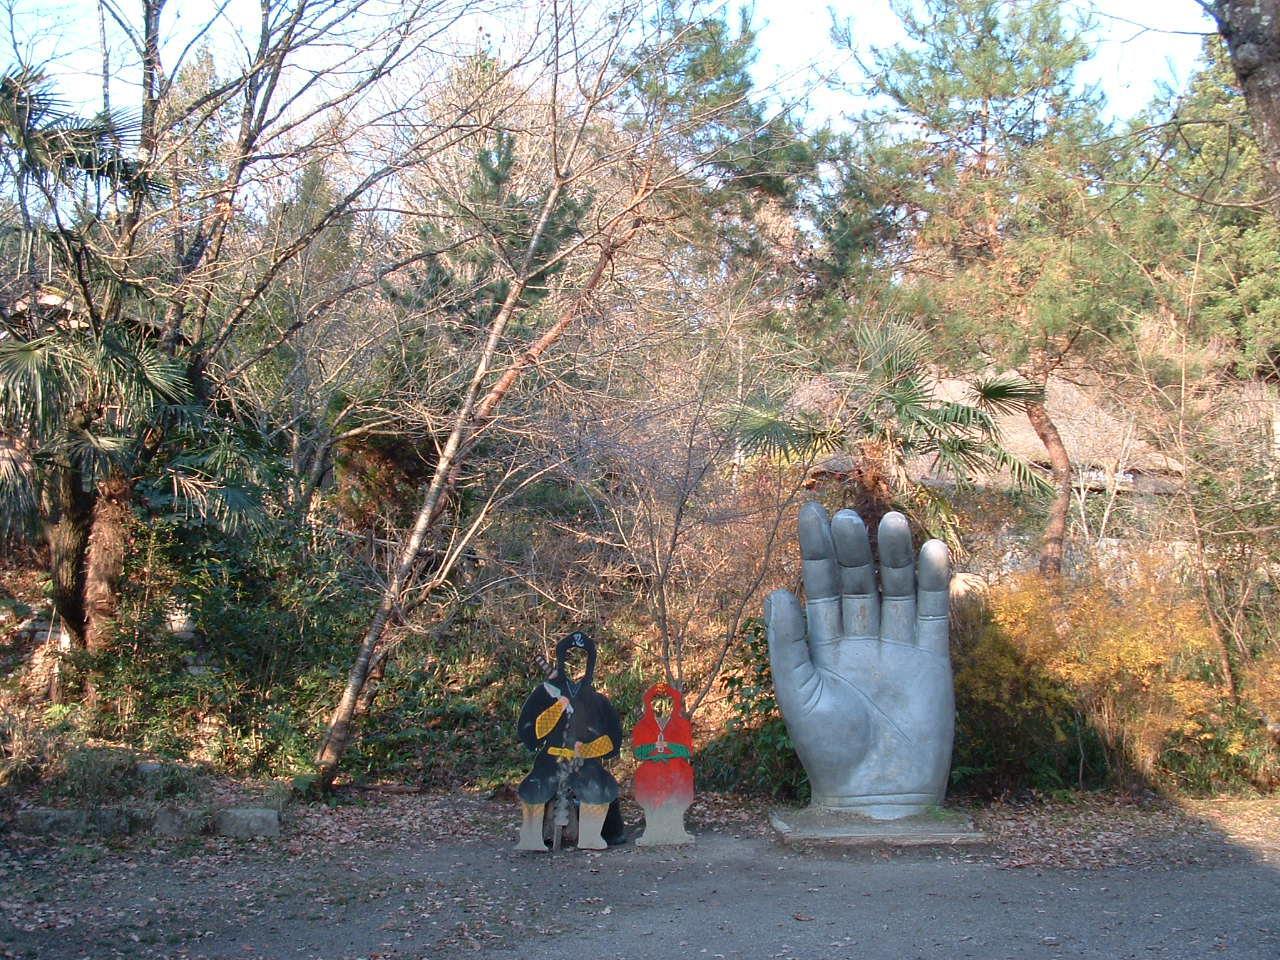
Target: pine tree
{"points": [[986, 144]]}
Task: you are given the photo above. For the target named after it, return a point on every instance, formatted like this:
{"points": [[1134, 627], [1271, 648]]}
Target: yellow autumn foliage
{"points": [[1261, 677], [1127, 659]]}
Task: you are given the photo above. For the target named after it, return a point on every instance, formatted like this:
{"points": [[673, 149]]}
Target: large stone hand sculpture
{"points": [[866, 689]]}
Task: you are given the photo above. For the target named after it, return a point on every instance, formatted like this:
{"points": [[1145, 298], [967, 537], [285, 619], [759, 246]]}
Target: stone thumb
{"points": [[793, 671]]}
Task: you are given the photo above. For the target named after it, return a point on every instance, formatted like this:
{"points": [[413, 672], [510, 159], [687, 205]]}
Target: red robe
{"points": [[665, 773]]}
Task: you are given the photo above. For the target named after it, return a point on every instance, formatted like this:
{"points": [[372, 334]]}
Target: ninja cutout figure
{"points": [[573, 728], [664, 778]]}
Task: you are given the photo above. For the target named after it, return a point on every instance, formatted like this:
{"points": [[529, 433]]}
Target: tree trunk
{"points": [[108, 539], [67, 534], [1251, 29], [1055, 530]]}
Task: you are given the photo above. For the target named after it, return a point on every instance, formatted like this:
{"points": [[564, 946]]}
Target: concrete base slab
{"points": [[816, 825]]}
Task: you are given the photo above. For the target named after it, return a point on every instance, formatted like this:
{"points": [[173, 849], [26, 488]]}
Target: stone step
{"points": [[169, 820]]}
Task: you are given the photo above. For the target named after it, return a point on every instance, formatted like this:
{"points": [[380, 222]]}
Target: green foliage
{"points": [[982, 173], [1227, 750], [273, 620], [96, 775], [75, 399], [29, 744], [691, 85], [884, 413], [1198, 220], [48, 146], [447, 714], [88, 775], [754, 753], [467, 282], [273, 615], [447, 709]]}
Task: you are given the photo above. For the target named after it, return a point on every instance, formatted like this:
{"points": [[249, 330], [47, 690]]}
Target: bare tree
{"points": [[697, 529], [635, 153], [170, 249]]}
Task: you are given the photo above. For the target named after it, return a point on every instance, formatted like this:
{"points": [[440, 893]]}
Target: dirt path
{"points": [[416, 877]]}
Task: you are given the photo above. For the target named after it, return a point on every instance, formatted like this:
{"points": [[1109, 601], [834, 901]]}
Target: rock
{"points": [[816, 827], [106, 821], [245, 822], [179, 622], [51, 820], [115, 821], [150, 770], [33, 627], [174, 821]]}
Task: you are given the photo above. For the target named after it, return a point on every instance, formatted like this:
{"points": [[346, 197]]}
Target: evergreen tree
{"points": [[485, 231], [991, 144]]}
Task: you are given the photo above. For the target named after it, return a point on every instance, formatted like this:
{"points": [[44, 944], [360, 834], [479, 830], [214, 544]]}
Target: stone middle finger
{"points": [[897, 580], [859, 597]]}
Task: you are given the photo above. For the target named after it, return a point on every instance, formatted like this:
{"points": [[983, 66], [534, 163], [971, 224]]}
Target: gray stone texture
{"points": [[863, 671], [175, 821], [51, 821], [246, 822], [116, 821], [814, 826], [78, 821]]}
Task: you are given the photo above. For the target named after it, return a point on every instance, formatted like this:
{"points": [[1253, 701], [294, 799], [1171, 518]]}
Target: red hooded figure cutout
{"points": [[664, 778]]}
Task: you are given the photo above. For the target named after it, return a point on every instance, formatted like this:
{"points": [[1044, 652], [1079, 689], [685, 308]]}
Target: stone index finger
{"points": [[897, 580], [821, 580]]}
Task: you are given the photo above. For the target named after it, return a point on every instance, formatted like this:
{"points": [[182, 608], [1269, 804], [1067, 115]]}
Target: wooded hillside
{"points": [[347, 361]]}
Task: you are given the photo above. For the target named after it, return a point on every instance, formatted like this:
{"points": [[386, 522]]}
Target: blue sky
{"points": [[1141, 43]]}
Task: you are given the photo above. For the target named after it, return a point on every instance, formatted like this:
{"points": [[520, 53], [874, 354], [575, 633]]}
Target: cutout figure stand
{"points": [[664, 777], [573, 728]]}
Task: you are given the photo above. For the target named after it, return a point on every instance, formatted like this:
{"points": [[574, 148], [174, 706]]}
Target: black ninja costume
{"points": [[568, 721]]}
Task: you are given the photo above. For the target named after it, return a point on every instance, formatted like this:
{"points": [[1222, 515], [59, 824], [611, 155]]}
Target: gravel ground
{"points": [[413, 877]]}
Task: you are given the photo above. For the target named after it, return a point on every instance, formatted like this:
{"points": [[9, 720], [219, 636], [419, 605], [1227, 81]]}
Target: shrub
{"points": [[274, 618], [27, 746], [96, 774], [754, 753], [1016, 726], [1094, 681]]}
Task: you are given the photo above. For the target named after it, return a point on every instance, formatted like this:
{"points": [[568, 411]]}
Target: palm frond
{"points": [[764, 431], [28, 369], [962, 456], [18, 501], [194, 498], [1024, 474], [1005, 393], [51, 142], [891, 349], [908, 395], [93, 453], [164, 375], [135, 369], [965, 415]]}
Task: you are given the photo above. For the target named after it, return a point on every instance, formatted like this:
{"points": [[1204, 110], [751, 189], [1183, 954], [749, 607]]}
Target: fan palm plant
{"points": [[885, 416], [71, 401], [60, 174], [91, 404]]}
